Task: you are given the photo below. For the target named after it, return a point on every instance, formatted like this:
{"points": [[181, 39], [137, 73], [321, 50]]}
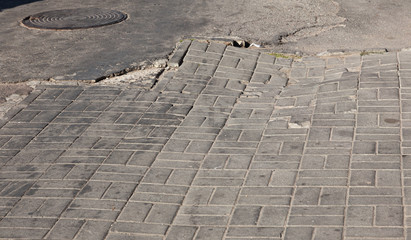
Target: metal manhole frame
{"points": [[29, 24]]}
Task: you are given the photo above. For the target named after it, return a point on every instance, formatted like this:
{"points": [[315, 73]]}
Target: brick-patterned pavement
{"points": [[235, 144]]}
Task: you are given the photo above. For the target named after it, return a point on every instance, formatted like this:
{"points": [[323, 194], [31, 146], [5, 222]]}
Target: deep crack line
{"points": [[306, 32]]}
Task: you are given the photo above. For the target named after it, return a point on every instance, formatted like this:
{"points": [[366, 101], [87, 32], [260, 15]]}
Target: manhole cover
{"points": [[79, 18]]}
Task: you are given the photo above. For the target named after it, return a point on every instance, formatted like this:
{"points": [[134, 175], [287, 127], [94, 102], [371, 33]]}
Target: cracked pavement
{"points": [[153, 28], [233, 144]]}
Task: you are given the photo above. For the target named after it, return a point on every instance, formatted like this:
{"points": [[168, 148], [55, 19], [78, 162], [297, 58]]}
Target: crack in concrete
{"points": [[306, 32], [322, 23]]}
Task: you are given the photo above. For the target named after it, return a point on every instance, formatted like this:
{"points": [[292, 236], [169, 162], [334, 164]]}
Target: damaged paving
{"points": [[234, 144]]}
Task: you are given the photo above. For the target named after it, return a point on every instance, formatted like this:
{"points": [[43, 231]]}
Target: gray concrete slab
{"points": [[149, 33]]}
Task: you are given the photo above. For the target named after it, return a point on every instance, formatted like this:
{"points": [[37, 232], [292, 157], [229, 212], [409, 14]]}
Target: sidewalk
{"points": [[235, 144]]}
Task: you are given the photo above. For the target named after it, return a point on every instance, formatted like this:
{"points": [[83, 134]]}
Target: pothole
{"points": [[241, 43], [71, 19], [229, 41], [244, 44]]}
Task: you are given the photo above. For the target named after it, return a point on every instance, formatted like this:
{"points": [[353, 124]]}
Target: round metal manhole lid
{"points": [[79, 18]]}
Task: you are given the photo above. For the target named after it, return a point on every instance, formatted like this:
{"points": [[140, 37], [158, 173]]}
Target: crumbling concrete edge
{"points": [[177, 58]]}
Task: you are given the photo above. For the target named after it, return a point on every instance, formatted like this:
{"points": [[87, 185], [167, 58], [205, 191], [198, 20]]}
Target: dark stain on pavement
{"points": [[4, 4], [391, 120]]}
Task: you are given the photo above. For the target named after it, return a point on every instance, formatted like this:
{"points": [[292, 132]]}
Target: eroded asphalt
{"points": [[153, 27], [233, 144]]}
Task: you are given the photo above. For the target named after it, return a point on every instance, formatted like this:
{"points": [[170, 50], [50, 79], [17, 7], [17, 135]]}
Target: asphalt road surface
{"points": [[154, 27]]}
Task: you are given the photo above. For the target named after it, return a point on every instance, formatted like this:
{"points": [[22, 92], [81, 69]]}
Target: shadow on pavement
{"points": [[4, 4]]}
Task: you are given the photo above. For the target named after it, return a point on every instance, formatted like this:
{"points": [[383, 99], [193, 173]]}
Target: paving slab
{"points": [[233, 144]]}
